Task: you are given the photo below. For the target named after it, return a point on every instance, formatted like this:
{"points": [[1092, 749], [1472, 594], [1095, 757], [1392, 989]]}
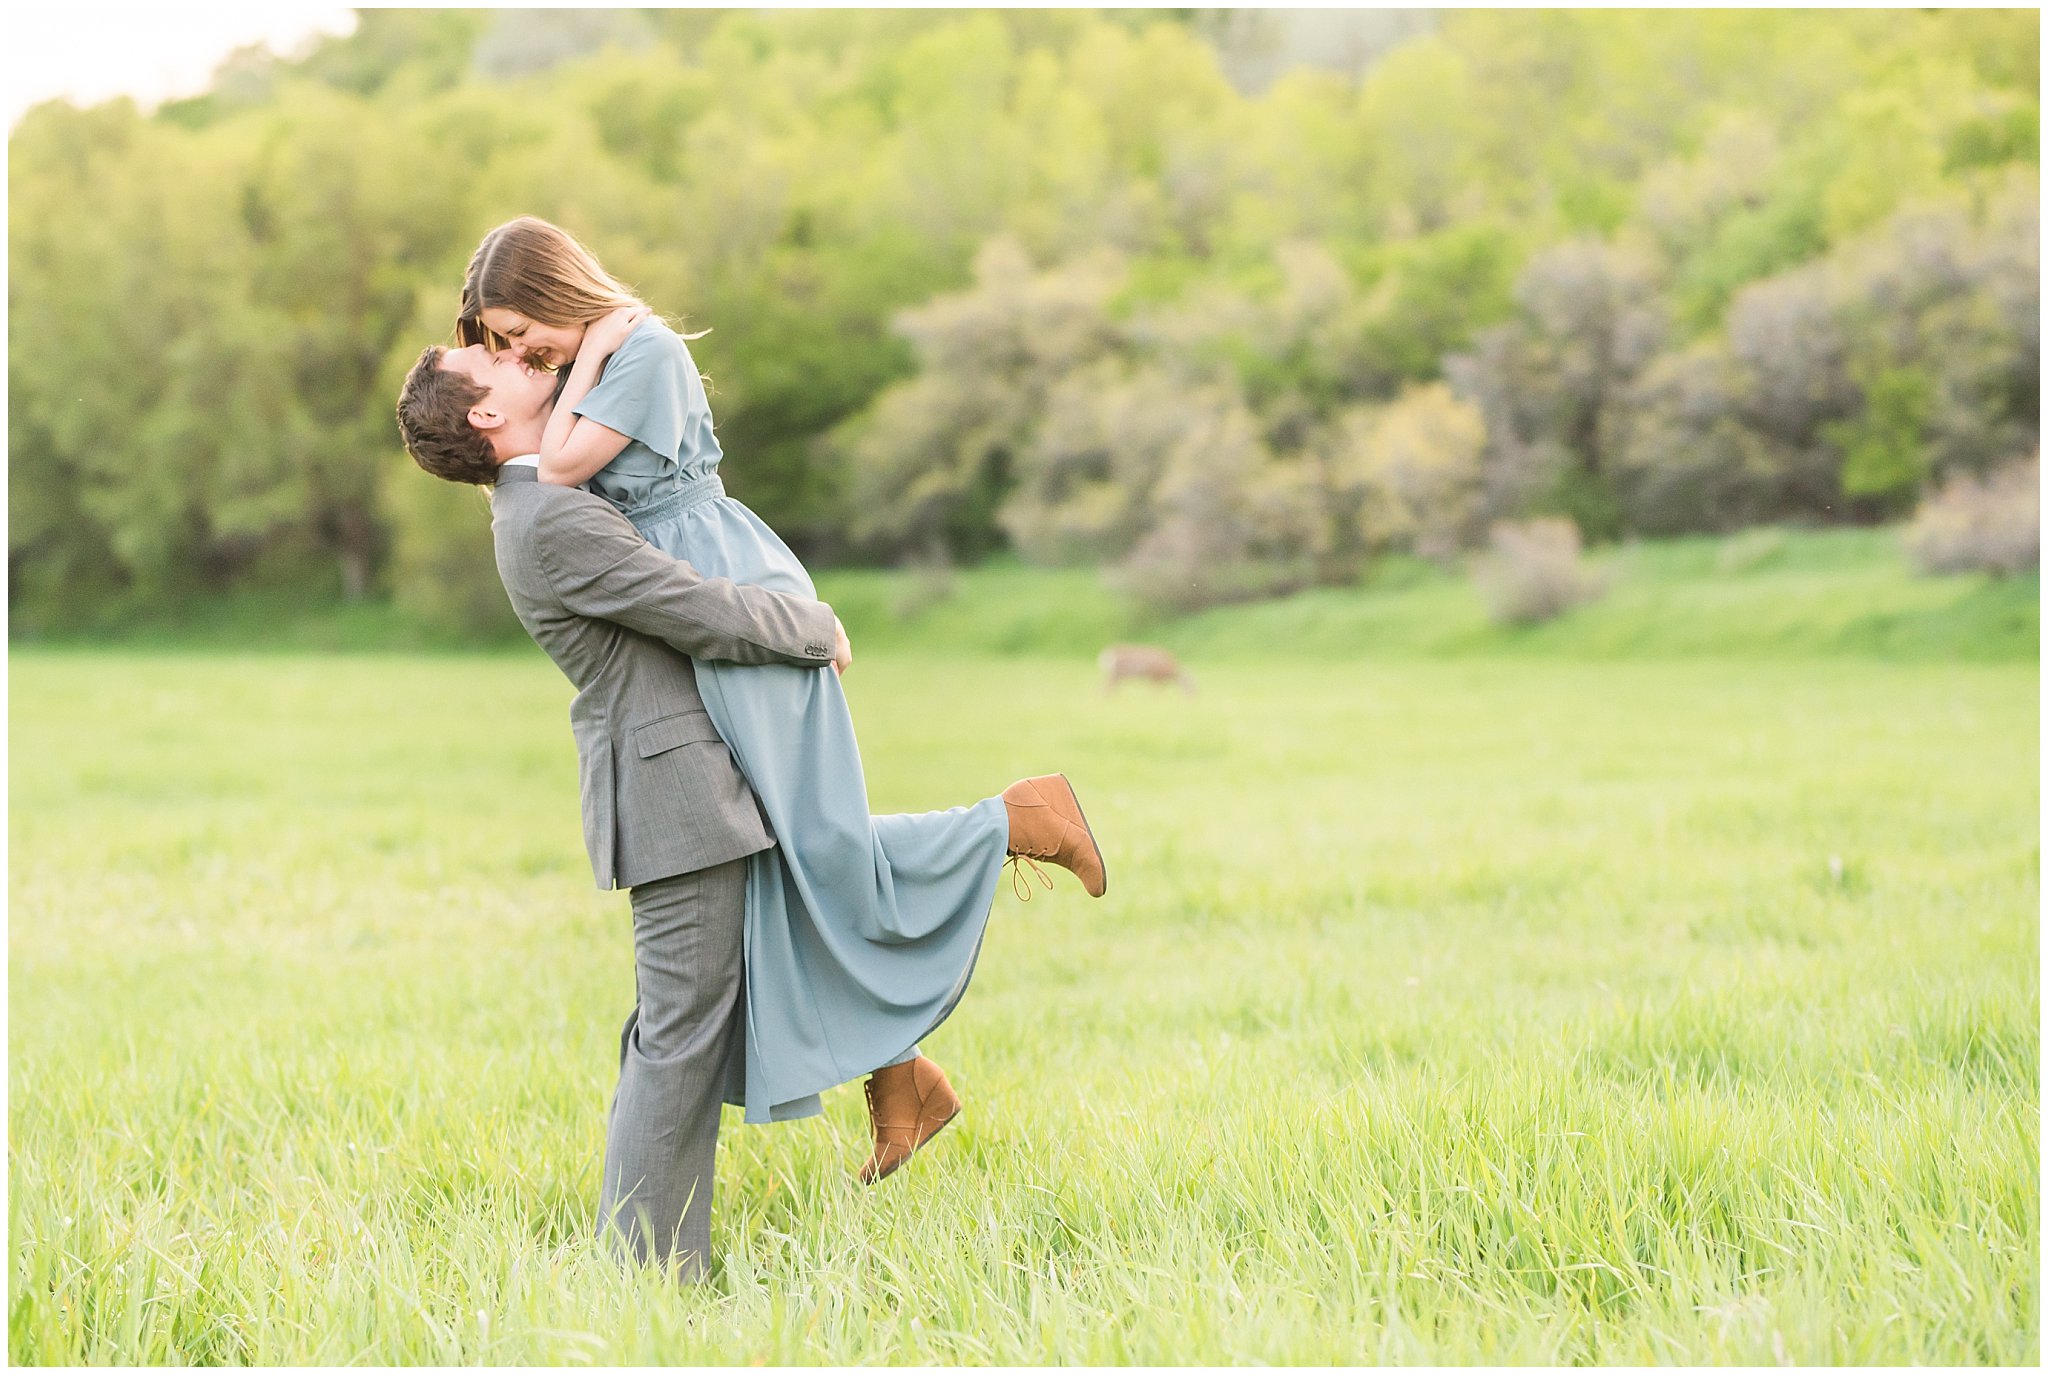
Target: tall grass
{"points": [[1480, 1010]]}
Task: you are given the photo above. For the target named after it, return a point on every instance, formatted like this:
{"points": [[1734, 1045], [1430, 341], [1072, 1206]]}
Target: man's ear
{"points": [[481, 419]]}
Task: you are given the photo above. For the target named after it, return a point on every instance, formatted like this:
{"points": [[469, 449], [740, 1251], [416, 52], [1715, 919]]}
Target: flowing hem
{"points": [[806, 1102]]}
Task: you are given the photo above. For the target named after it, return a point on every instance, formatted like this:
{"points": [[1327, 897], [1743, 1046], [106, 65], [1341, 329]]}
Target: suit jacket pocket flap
{"points": [[684, 728]]}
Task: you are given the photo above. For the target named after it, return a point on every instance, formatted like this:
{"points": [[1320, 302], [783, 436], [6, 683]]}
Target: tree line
{"points": [[1046, 282]]}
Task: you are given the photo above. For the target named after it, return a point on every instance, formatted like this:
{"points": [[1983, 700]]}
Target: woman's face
{"points": [[552, 346]]}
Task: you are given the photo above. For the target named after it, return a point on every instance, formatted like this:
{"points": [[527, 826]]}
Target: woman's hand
{"points": [[572, 448], [602, 339]]}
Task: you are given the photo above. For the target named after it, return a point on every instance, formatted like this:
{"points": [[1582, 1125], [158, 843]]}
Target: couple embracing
{"points": [[785, 940]]}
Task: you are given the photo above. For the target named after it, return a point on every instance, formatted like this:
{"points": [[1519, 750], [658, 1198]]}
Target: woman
{"points": [[861, 931]]}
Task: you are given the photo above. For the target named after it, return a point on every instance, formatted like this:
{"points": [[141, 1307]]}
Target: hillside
{"points": [[1766, 593]]}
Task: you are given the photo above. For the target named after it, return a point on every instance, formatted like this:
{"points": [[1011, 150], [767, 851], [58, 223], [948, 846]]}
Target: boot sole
{"points": [[883, 1174], [1075, 798]]}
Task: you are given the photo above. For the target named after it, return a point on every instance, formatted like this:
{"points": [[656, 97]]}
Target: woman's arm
{"points": [[572, 448]]}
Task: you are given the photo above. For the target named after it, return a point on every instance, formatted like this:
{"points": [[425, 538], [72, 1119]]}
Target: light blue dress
{"points": [[861, 931]]}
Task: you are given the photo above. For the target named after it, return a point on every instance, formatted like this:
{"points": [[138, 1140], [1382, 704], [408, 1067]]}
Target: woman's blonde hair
{"points": [[532, 267]]}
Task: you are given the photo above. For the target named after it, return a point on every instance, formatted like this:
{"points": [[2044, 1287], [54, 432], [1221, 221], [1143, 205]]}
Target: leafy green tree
{"points": [[1412, 469], [1427, 298], [1689, 460], [1085, 480], [1230, 521], [1828, 218], [340, 214], [1426, 131], [133, 318], [1947, 295], [1553, 383], [933, 460], [1884, 445], [1790, 345], [443, 572]]}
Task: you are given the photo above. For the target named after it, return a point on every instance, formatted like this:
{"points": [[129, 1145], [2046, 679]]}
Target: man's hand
{"points": [[842, 648]]}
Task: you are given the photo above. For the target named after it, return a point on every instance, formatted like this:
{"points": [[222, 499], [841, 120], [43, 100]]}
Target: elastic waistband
{"points": [[690, 492]]}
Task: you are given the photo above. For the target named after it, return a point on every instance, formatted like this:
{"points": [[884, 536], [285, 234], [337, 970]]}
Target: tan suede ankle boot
{"points": [[1046, 823], [907, 1104]]}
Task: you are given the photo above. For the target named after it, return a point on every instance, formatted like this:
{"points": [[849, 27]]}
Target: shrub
{"points": [[1413, 468], [1981, 525], [1232, 522], [1531, 571]]}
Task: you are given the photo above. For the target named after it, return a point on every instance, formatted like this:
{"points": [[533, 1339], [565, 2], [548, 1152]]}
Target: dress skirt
{"points": [[861, 931]]}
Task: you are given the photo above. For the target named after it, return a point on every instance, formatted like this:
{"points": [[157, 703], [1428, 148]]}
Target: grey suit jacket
{"points": [[661, 793]]}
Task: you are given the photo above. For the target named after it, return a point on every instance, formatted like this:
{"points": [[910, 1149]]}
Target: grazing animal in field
{"points": [[1142, 661]]}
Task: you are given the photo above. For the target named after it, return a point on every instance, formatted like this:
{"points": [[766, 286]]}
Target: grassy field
{"points": [[1490, 1007]]}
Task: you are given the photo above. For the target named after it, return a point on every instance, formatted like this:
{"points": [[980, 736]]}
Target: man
{"points": [[666, 811]]}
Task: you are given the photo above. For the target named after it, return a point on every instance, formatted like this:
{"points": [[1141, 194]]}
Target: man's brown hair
{"points": [[433, 420]]}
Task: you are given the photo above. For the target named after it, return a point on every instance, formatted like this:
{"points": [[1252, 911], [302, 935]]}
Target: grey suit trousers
{"points": [[662, 1139]]}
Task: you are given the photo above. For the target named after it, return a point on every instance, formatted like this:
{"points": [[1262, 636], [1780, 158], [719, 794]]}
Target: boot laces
{"points": [[1018, 886], [875, 1114]]}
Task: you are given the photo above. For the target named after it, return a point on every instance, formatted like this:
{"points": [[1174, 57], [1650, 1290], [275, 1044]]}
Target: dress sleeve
{"points": [[644, 391]]}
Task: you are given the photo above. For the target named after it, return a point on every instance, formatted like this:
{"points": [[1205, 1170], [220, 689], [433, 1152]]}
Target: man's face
{"points": [[516, 394]]}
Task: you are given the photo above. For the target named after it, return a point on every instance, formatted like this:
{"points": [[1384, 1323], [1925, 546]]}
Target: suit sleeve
{"points": [[600, 567]]}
